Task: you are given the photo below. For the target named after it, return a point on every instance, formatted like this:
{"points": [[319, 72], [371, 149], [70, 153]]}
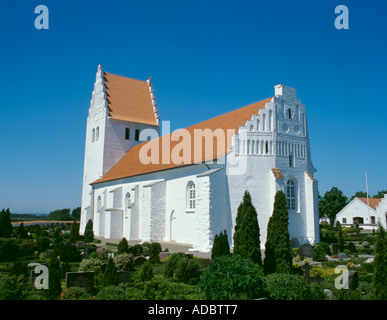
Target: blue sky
{"points": [[205, 58]]}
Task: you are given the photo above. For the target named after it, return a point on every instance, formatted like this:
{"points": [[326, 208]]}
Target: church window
{"points": [[291, 160], [344, 220], [99, 203], [264, 122], [266, 147], [93, 135], [97, 134], [290, 113], [270, 120], [191, 196], [137, 135], [128, 200], [291, 195], [127, 133]]}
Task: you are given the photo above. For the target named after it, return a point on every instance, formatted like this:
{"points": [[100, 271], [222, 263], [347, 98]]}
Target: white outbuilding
{"points": [[367, 213], [145, 183]]}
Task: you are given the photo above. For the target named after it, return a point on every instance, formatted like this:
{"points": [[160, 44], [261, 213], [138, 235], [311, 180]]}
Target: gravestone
{"points": [[306, 250], [335, 247], [343, 255], [307, 267], [351, 247], [81, 279], [81, 244], [164, 255], [139, 261], [123, 276]]}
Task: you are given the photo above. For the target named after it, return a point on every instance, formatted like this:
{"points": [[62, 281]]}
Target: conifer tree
{"points": [[278, 252], [54, 285], [154, 251], [89, 233], [246, 235], [5, 224], [110, 276], [74, 233], [340, 236], [220, 246], [380, 265], [122, 246]]}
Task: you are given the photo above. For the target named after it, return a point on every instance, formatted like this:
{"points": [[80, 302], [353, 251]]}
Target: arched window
{"points": [[291, 195], [128, 200], [93, 135], [264, 122], [97, 134], [191, 196]]}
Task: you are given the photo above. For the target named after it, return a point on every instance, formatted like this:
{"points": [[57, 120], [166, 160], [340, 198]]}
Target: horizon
{"points": [[205, 59]]}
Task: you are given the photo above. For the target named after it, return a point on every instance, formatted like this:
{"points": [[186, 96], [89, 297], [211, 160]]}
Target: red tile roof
{"points": [[129, 99], [373, 202], [130, 164]]}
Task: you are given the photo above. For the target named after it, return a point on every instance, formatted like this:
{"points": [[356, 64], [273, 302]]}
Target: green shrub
{"points": [[110, 277], [171, 262], [75, 293], [124, 261], [154, 250], [281, 286], [168, 290], [112, 292], [146, 272], [319, 253], [122, 246], [187, 271], [232, 278]]}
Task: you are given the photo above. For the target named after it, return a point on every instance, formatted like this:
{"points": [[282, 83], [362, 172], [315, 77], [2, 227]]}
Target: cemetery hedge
{"points": [[178, 276]]}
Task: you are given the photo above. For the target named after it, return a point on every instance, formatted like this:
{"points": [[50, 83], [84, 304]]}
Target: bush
{"points": [[168, 290], [75, 293], [187, 271], [154, 250], [110, 276], [281, 286], [112, 293], [232, 278], [319, 253], [171, 263], [146, 272], [124, 261]]}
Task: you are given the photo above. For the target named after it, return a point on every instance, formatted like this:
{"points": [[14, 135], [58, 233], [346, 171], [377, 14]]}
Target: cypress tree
{"points": [[278, 252], [154, 250], [220, 246], [246, 236], [110, 276], [54, 276], [5, 224], [380, 265], [74, 233], [89, 233], [122, 246], [340, 236]]}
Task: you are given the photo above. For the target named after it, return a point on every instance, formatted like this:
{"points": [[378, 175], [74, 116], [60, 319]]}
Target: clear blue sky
{"points": [[205, 58]]}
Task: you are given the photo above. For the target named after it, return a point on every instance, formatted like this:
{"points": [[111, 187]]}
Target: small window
{"points": [[97, 134], [373, 220], [93, 135], [137, 136], [290, 113], [99, 203], [290, 160], [127, 133], [267, 147], [191, 196], [344, 220], [291, 195]]}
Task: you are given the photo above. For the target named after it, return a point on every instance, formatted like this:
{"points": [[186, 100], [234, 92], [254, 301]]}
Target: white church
{"points": [[145, 183]]}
